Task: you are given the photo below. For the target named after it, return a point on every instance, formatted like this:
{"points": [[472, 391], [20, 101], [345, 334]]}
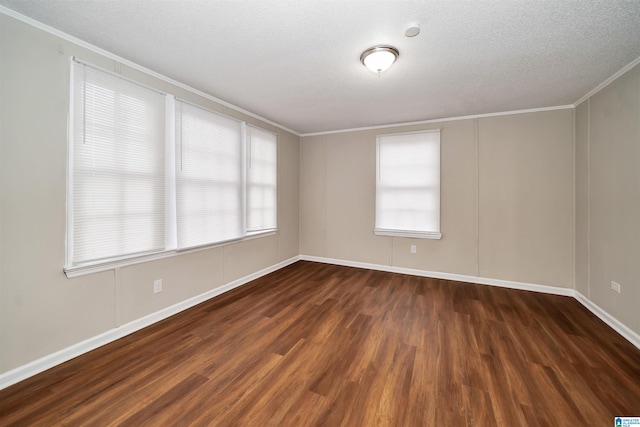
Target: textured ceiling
{"points": [[296, 62]]}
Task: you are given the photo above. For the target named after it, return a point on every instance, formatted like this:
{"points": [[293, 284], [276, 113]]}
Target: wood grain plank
{"points": [[317, 344]]}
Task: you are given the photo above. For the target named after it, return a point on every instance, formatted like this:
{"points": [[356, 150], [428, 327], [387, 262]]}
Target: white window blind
{"points": [[116, 190], [408, 185], [262, 178], [208, 177], [149, 174]]}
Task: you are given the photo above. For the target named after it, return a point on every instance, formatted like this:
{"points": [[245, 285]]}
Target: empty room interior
{"points": [[320, 212]]}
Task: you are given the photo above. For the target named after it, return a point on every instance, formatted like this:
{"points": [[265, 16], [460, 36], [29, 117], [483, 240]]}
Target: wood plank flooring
{"points": [[323, 345]]}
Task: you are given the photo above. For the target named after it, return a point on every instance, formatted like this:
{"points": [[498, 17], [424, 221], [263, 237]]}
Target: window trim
{"points": [[410, 234], [243, 135], [171, 249], [70, 172], [82, 270], [246, 155], [415, 234]]}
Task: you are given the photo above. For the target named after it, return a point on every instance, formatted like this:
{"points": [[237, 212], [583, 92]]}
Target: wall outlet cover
{"points": [[615, 286]]}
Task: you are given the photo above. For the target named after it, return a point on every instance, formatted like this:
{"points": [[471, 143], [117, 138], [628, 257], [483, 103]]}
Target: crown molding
{"points": [[445, 119], [13, 14], [607, 82], [37, 24]]}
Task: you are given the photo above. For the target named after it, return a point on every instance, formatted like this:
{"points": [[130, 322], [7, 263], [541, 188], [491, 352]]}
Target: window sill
{"points": [[82, 270], [410, 234]]}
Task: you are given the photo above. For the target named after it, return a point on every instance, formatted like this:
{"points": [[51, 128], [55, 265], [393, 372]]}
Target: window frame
{"points": [[248, 153], [406, 232], [241, 169], [77, 66], [171, 249]]}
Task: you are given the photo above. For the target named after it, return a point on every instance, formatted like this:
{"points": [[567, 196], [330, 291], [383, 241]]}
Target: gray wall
{"points": [[608, 198], [506, 199], [521, 201], [41, 310]]}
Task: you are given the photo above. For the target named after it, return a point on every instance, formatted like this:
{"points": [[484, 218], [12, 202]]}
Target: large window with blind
{"points": [[208, 177], [408, 185], [262, 179], [116, 200], [149, 174]]}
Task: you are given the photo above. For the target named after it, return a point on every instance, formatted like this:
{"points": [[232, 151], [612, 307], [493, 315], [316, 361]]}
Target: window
{"points": [[208, 177], [408, 185], [116, 196], [149, 175], [262, 194]]}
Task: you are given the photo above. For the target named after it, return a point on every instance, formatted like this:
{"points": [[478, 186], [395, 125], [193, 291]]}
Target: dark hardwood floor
{"points": [[316, 344]]}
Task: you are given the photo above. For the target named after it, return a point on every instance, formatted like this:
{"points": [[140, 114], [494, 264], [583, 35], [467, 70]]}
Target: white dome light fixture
{"points": [[379, 58]]}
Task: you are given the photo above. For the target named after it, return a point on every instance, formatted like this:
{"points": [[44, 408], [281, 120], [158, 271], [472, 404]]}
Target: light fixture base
{"points": [[378, 59]]}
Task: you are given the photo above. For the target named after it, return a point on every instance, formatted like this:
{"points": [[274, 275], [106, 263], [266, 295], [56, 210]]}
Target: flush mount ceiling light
{"points": [[379, 58]]}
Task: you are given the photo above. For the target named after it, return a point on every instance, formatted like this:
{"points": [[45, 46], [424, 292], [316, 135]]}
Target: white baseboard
{"points": [[25, 371], [446, 276], [30, 369], [614, 323]]}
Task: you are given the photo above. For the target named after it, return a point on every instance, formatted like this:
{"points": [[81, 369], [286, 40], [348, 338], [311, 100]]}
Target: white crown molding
{"points": [[607, 82], [30, 369], [446, 119], [13, 14], [614, 323], [592, 92]]}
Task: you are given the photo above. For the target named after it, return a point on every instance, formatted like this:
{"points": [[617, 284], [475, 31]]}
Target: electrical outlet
{"points": [[157, 286], [413, 249], [615, 286]]}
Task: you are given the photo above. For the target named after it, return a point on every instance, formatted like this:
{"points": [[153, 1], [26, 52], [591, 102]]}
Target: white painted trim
{"points": [[415, 234], [606, 82], [614, 323], [13, 14], [503, 113], [446, 276], [83, 270], [25, 371], [445, 119]]}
